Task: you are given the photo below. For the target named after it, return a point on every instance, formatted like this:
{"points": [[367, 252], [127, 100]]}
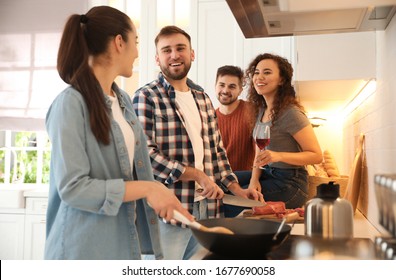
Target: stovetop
{"points": [[338, 247]]}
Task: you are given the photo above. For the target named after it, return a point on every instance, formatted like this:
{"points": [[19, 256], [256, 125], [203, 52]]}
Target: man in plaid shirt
{"points": [[184, 142]]}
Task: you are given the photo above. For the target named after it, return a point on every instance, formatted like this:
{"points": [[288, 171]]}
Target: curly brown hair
{"points": [[286, 94]]}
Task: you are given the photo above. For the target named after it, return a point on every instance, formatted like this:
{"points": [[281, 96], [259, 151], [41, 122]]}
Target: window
{"points": [[29, 80], [24, 157], [28, 50]]}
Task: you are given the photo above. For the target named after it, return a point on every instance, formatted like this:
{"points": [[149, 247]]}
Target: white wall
{"points": [[376, 119]]}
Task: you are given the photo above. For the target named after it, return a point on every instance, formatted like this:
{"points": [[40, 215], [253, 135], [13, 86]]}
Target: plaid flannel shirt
{"points": [[170, 147]]}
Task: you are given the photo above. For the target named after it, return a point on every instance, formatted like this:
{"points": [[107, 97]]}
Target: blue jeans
{"points": [[179, 243], [277, 184]]}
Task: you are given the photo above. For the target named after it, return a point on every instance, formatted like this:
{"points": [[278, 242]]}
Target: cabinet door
{"points": [[34, 237], [220, 42], [11, 236], [276, 45], [344, 56]]}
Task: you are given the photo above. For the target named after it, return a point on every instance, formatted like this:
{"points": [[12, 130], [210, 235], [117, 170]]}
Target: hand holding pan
{"points": [[181, 218]]}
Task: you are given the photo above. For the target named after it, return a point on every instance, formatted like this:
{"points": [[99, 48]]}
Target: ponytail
{"points": [[85, 36]]}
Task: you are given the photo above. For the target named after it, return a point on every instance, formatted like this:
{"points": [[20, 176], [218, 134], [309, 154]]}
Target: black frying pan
{"points": [[252, 239]]}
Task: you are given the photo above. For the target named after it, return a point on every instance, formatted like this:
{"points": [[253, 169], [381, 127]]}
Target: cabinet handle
{"points": [[43, 221]]}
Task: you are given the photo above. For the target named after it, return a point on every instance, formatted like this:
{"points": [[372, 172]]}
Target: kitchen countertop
{"points": [[361, 226], [37, 192], [12, 196]]}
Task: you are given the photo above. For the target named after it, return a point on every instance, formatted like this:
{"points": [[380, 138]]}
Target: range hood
{"points": [[270, 18]]}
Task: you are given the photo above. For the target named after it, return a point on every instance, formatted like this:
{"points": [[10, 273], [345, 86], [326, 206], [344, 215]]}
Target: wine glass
{"points": [[261, 135]]}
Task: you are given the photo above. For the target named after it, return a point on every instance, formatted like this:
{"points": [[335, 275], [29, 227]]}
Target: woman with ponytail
{"points": [[103, 200]]}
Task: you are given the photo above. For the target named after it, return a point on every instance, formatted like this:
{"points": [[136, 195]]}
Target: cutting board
{"points": [[355, 176], [248, 214]]}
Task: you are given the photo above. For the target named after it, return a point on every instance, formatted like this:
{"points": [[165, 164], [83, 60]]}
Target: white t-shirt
{"points": [[193, 123], [126, 129]]}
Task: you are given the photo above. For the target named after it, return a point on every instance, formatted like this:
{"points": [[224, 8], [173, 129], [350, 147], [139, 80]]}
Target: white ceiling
{"points": [[321, 98]]}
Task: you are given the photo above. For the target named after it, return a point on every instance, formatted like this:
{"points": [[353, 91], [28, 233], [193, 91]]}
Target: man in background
{"points": [[235, 118]]}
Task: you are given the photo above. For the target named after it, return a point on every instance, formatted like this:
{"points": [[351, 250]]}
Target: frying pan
{"points": [[252, 238]]}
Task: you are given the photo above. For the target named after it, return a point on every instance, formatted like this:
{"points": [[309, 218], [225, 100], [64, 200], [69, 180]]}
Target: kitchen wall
{"points": [[376, 119]]}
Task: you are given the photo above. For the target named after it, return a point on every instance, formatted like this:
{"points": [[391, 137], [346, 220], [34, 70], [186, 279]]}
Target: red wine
{"points": [[262, 143]]}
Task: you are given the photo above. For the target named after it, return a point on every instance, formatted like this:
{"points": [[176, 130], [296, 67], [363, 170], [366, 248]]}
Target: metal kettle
{"points": [[328, 215]]}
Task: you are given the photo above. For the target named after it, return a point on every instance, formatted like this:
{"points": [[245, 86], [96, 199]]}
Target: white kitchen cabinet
{"points": [[221, 42], [35, 219], [344, 56], [282, 46], [11, 234]]}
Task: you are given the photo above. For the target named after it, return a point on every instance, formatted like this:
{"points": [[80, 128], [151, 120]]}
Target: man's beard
{"points": [[229, 100], [175, 76]]}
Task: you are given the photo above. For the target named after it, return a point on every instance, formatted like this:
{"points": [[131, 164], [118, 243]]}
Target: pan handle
{"points": [[181, 218], [292, 217]]}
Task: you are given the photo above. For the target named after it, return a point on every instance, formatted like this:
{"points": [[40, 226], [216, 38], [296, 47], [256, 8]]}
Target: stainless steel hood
{"points": [[270, 18]]}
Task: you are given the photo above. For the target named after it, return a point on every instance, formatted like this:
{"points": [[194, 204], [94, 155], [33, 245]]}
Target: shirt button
{"points": [[153, 221], [137, 143], [140, 163]]}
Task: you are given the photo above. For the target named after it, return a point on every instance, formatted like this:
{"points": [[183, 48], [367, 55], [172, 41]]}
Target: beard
{"points": [[228, 100], [175, 75]]}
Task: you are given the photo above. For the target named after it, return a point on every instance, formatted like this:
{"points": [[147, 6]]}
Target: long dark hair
{"points": [[286, 94], [84, 36]]}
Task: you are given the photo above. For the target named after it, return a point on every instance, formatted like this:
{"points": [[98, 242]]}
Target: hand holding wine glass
{"points": [[262, 136]]}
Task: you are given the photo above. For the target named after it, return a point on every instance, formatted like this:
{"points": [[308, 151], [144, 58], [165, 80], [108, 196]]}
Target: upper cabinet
{"points": [[344, 56], [282, 46], [221, 42]]}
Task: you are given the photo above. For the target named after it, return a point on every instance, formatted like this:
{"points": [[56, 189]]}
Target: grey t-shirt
{"points": [[289, 122]]}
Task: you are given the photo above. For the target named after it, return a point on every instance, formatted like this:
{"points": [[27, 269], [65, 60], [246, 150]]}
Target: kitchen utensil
{"points": [[355, 176], [385, 192], [251, 238], [248, 214], [232, 199], [217, 229], [327, 215], [290, 217], [241, 201]]}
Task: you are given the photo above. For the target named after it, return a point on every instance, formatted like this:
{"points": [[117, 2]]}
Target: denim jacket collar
{"points": [[120, 97]]}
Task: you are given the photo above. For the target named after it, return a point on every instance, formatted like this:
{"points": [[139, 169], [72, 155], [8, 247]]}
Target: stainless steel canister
{"points": [[328, 215]]}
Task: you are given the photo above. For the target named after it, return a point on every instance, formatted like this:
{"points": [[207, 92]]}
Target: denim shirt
{"points": [[86, 217]]}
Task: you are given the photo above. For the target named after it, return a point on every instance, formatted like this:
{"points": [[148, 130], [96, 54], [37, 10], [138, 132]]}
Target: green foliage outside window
{"points": [[24, 162], [2, 166]]}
